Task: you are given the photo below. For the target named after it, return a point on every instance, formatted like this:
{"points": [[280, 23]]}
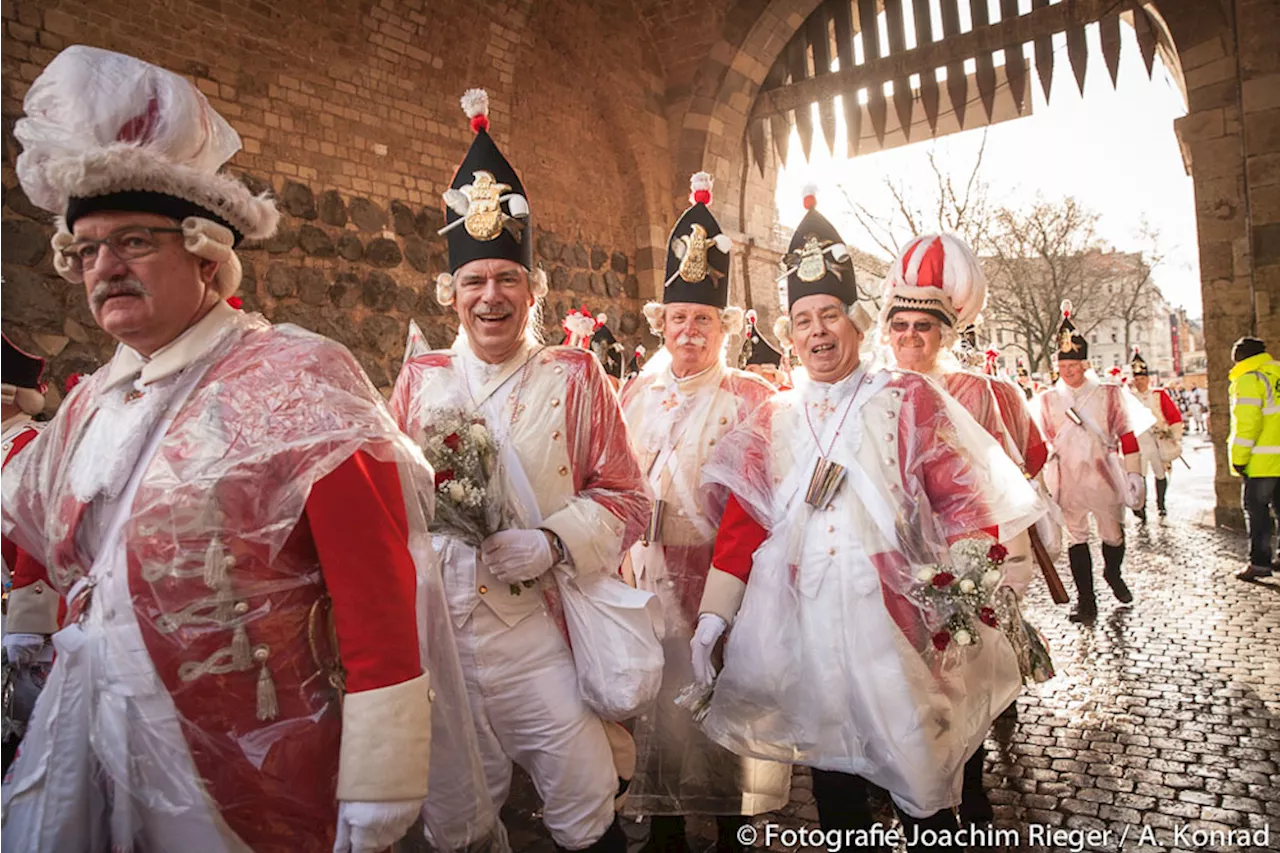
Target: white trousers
{"points": [[1149, 456], [1110, 519], [524, 698]]}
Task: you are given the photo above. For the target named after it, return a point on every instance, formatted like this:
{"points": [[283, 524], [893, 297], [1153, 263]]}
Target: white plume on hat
{"points": [[99, 122], [936, 272]]}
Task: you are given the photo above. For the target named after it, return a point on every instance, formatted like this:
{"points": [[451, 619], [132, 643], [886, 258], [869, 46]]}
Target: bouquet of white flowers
{"points": [[460, 449]]}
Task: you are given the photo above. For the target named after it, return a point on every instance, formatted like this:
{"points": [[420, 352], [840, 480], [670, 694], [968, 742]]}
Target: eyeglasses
{"points": [[924, 327], [127, 244]]}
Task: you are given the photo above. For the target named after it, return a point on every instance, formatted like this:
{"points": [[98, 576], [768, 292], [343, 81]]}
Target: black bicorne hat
{"points": [[817, 260], [755, 348], [1071, 346], [609, 351], [1138, 364], [698, 252], [486, 211]]}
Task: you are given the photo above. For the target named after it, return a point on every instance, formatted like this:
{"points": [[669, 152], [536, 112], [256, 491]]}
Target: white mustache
{"points": [[104, 290], [493, 312], [687, 339]]}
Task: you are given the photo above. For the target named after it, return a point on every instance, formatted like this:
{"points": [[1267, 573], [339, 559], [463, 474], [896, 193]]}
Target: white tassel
{"points": [[809, 190], [268, 704], [723, 242], [215, 569], [1066, 308], [839, 252], [475, 102], [241, 651], [700, 181], [224, 607]]}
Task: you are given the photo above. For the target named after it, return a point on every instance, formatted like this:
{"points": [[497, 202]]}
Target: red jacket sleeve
{"points": [[357, 519], [1168, 408], [736, 541]]}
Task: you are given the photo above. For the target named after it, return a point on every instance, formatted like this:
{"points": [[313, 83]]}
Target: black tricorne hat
{"points": [[817, 260], [698, 252], [20, 369], [1071, 346], [486, 211], [756, 349]]}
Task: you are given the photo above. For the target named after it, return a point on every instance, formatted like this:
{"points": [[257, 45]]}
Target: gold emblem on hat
{"points": [[693, 266], [1066, 344], [812, 265], [484, 215]]}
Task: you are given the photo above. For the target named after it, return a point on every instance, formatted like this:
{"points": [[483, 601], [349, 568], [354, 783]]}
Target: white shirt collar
{"points": [[841, 389], [173, 356]]}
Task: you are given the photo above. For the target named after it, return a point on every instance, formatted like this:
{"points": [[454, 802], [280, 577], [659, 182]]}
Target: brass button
{"points": [[555, 402], [39, 588], [889, 437], [831, 528], [831, 551], [564, 471], [559, 369], [483, 589], [723, 421], [555, 436], [242, 607], [895, 393], [431, 694], [712, 442]]}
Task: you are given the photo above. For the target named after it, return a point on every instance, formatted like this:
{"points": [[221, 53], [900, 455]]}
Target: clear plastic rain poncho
{"points": [[196, 697], [841, 657], [1085, 470], [675, 426]]}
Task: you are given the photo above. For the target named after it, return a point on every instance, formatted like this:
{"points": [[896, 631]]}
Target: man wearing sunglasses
{"points": [[214, 503], [934, 288]]}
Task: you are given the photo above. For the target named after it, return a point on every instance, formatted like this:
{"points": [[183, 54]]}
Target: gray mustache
{"points": [[104, 290]]}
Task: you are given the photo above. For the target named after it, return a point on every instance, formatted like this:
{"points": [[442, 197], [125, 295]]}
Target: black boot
{"points": [[974, 805], [614, 840], [666, 835], [1112, 557], [1162, 489], [727, 838], [1082, 573]]}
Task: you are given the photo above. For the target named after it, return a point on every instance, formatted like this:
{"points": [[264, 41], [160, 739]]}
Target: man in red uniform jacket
{"points": [[215, 502]]}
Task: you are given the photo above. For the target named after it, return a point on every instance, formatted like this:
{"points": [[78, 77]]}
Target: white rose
{"points": [[924, 575], [456, 492], [479, 434], [962, 638], [991, 577], [967, 585]]}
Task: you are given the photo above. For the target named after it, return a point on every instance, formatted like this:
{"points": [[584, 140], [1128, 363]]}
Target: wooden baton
{"points": [[1056, 589]]}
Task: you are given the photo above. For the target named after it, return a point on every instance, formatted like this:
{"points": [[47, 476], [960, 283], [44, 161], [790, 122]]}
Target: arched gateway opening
{"points": [[745, 96]]}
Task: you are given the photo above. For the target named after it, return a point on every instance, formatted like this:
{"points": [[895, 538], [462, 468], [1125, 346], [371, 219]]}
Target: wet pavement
{"points": [[1161, 730]]}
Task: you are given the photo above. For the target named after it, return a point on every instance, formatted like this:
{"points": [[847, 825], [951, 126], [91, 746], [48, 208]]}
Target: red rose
{"points": [[235, 302], [988, 616], [72, 381], [942, 579], [453, 441], [941, 640], [997, 552], [443, 477]]}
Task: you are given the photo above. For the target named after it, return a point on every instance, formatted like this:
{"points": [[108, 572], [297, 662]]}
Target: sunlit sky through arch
{"points": [[1114, 149]]}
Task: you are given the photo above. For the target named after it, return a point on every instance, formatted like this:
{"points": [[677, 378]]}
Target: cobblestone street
{"points": [[1164, 718]]}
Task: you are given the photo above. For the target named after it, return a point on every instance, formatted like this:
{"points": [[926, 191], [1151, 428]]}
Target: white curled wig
{"points": [[446, 291], [731, 318], [202, 237], [28, 400]]}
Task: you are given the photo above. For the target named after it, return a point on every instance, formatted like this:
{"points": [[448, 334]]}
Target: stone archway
{"points": [[1222, 54]]}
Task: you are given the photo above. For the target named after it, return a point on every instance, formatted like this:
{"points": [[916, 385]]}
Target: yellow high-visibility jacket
{"points": [[1255, 416]]}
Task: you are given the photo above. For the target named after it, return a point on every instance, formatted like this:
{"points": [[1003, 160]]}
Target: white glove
{"points": [[370, 827], [1135, 491], [517, 555], [22, 648], [710, 627]]}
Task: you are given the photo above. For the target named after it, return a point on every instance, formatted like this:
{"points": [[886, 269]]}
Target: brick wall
{"points": [[349, 113]]}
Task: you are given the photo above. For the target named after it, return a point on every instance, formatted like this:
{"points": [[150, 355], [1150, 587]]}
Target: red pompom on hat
{"points": [[475, 103], [810, 193], [700, 187]]}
